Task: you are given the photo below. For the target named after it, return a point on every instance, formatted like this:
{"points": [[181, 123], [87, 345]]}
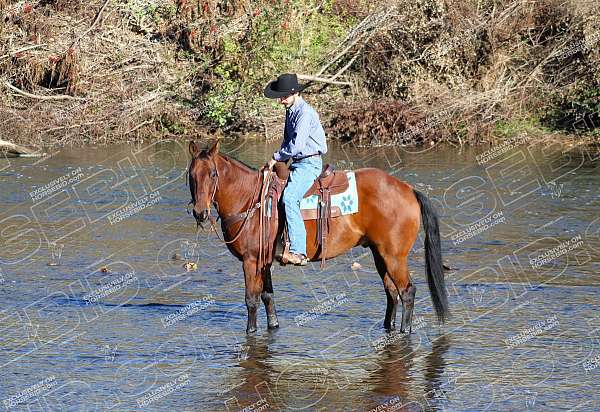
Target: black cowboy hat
{"points": [[285, 85]]}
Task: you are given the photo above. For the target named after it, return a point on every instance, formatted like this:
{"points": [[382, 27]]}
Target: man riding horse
{"points": [[387, 220], [303, 143]]}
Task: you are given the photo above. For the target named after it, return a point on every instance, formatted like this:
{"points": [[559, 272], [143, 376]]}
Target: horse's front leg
{"points": [[268, 299], [254, 287]]}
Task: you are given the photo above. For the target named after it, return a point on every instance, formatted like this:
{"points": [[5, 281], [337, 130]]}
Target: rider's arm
{"points": [[294, 142]]}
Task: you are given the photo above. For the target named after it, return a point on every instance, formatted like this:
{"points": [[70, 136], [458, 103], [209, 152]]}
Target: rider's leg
{"points": [[302, 175]]}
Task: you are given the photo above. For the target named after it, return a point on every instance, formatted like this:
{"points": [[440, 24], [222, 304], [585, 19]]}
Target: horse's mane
{"points": [[241, 163], [204, 155]]}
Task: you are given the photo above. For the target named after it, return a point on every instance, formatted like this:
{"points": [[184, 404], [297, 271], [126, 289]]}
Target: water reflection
{"points": [[398, 375], [435, 365], [252, 383], [395, 361], [404, 373]]}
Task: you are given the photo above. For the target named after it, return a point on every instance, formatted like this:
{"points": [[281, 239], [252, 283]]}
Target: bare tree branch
{"points": [[322, 80], [39, 97]]}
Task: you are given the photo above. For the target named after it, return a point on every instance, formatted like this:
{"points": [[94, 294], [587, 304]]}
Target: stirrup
{"points": [[286, 249]]}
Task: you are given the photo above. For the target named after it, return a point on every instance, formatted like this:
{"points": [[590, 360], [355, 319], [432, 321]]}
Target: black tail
{"points": [[433, 257]]}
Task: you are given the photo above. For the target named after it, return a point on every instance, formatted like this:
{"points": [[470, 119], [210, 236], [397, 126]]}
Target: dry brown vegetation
{"points": [[476, 65], [72, 73], [420, 71]]}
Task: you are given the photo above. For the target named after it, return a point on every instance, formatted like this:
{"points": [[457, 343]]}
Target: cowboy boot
{"points": [[294, 258]]}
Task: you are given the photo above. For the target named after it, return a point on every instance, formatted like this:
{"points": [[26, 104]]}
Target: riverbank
{"points": [[418, 73]]}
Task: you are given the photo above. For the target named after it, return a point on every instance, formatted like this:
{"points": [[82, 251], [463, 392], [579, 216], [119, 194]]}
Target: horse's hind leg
{"points": [[390, 291], [268, 299], [392, 303], [398, 271], [408, 305]]}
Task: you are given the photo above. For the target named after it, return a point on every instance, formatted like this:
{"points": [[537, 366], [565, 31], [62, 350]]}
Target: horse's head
{"points": [[203, 179]]}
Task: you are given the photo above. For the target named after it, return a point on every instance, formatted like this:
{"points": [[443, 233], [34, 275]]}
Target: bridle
{"points": [[214, 175]]}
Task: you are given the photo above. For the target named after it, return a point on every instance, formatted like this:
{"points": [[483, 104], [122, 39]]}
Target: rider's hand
{"points": [[271, 163]]}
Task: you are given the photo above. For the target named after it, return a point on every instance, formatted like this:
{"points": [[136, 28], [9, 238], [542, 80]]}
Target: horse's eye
{"points": [[213, 172]]}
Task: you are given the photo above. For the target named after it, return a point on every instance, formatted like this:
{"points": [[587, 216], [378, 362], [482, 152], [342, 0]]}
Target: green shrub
{"points": [[220, 100], [574, 110]]}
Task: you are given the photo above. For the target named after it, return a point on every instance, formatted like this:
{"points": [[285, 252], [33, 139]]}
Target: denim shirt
{"points": [[303, 134]]}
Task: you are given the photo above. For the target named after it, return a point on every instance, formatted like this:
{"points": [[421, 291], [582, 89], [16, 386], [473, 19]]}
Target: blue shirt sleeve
{"points": [[295, 138]]}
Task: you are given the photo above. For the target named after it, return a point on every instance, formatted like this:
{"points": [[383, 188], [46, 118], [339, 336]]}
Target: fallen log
{"points": [[14, 150]]}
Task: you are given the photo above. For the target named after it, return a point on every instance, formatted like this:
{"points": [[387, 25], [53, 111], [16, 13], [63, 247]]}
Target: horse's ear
{"points": [[214, 149], [194, 149]]}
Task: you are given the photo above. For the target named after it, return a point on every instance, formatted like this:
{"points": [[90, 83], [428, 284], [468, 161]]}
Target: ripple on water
{"points": [[488, 356]]}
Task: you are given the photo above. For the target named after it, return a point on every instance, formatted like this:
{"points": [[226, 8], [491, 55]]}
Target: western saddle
{"points": [[329, 182], [334, 181]]}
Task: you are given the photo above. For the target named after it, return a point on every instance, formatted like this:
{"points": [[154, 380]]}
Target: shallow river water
{"points": [[96, 315]]}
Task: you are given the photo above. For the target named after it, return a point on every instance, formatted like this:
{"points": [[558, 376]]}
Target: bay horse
{"points": [[389, 215]]}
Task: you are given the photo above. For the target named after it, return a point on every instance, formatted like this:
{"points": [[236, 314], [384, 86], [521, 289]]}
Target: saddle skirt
{"points": [[343, 196]]}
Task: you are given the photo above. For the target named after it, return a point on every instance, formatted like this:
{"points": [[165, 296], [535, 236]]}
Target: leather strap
{"points": [[307, 156]]}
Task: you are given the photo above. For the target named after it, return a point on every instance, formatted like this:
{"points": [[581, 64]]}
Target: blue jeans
{"points": [[302, 175]]}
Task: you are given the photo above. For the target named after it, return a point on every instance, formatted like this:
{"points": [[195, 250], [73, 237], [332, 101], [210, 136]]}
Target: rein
{"points": [[231, 219], [228, 220]]}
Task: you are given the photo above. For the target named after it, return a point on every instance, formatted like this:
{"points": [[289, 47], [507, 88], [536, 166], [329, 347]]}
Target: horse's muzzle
{"points": [[200, 217]]}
